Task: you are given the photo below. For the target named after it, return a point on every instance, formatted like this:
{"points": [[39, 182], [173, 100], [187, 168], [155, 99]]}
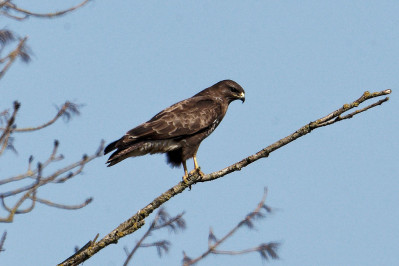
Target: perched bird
{"points": [[179, 129]]}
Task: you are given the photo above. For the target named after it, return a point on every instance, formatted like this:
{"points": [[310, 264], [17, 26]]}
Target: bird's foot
{"points": [[186, 181], [197, 170], [184, 178], [191, 173]]}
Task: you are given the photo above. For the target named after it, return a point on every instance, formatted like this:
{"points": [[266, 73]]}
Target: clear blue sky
{"points": [[335, 191]]}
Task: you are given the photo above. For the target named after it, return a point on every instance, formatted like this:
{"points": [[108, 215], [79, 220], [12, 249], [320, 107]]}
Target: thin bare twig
{"points": [[2, 240], [15, 210], [67, 110], [32, 173], [8, 6], [62, 206], [13, 11], [20, 51], [5, 136], [136, 221], [266, 251]]}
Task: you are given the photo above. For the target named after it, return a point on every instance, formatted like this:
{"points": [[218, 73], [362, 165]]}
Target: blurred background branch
{"points": [[18, 194], [2, 240], [266, 250], [162, 220], [28, 192], [9, 9], [21, 51]]}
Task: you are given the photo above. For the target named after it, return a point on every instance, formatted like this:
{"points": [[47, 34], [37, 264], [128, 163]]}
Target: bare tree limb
{"points": [[137, 220], [324, 121]]}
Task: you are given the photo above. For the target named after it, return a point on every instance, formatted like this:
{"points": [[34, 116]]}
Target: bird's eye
{"points": [[232, 89]]}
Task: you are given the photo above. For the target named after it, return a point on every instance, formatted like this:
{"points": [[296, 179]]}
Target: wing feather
{"points": [[181, 119]]}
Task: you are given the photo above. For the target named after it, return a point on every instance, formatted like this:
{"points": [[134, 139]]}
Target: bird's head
{"points": [[227, 90], [231, 90]]}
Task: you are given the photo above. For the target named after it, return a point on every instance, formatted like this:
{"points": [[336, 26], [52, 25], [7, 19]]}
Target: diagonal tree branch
{"points": [[137, 220]]}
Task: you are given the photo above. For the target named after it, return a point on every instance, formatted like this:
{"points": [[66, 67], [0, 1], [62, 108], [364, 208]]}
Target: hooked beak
{"points": [[242, 97]]}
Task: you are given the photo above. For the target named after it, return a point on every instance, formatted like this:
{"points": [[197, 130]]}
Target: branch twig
{"points": [[2, 240], [20, 51], [67, 110], [4, 138], [8, 5]]}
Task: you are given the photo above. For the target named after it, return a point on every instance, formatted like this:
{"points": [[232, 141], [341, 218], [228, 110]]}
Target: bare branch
{"points": [[161, 220], [5, 136], [172, 223], [21, 51], [67, 110], [213, 244], [324, 121], [62, 206], [266, 251], [29, 191], [86, 246], [2, 240], [137, 220], [32, 173], [11, 10], [8, 6], [15, 209], [162, 246]]}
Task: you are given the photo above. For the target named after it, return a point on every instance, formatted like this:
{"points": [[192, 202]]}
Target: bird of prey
{"points": [[179, 129]]}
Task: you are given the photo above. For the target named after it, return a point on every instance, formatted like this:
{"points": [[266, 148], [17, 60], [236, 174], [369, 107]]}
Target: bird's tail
{"points": [[122, 152], [110, 147], [116, 157]]}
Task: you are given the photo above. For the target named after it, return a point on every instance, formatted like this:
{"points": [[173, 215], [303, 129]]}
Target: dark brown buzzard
{"points": [[179, 129]]}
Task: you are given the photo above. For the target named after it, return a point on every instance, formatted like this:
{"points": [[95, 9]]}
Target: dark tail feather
{"points": [[114, 158], [110, 147]]}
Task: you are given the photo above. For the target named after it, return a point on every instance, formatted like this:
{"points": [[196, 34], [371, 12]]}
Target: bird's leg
{"points": [[196, 167], [195, 162], [185, 172]]}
